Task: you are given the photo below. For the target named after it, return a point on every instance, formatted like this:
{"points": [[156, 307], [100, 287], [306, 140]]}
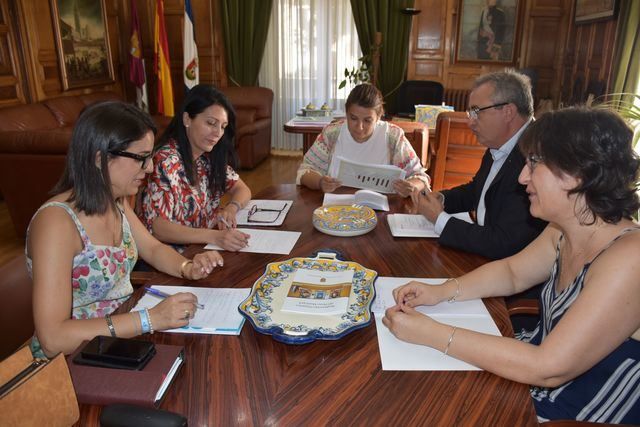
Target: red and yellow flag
{"points": [[161, 50]]}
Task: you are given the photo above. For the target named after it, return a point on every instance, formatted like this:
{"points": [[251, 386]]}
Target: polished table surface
{"points": [[252, 379]]}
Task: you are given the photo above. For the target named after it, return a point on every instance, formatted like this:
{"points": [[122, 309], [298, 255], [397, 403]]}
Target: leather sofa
{"points": [[253, 123], [33, 146]]}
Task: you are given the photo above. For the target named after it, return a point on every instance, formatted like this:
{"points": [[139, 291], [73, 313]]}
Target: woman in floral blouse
{"points": [[192, 171], [363, 138], [83, 242]]}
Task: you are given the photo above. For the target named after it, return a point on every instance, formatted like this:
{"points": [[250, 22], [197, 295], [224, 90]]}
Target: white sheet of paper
{"points": [[369, 198], [220, 314], [266, 241], [365, 175], [242, 217], [407, 225], [397, 355]]}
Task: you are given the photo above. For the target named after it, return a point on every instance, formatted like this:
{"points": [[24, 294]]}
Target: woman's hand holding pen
{"points": [[232, 239], [174, 311], [227, 217]]}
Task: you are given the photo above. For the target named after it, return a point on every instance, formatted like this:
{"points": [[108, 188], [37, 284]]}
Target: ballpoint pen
{"points": [[163, 295], [224, 221]]}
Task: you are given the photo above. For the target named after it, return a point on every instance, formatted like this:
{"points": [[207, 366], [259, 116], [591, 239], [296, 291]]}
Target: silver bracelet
{"points": [[457, 294], [112, 330], [446, 349], [236, 204]]}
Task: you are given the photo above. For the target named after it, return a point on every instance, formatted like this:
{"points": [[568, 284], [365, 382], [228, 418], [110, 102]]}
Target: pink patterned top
{"points": [[169, 195], [100, 280]]}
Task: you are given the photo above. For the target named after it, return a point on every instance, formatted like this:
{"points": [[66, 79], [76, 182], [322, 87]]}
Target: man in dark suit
{"points": [[501, 108]]}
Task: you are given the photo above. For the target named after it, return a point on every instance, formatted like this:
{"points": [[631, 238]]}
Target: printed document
{"points": [[406, 225], [266, 241], [369, 198], [398, 355], [319, 292], [220, 313], [264, 213], [365, 175]]}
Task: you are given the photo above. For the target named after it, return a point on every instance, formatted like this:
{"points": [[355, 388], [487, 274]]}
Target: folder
{"points": [[103, 386]]}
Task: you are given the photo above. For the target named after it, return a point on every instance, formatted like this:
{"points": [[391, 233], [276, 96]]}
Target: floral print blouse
{"points": [[169, 195], [100, 280], [318, 157]]}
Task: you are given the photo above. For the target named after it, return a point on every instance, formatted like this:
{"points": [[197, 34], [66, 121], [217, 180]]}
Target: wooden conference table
{"points": [[252, 379]]}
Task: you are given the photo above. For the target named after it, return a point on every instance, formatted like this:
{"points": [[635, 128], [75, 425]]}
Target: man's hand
{"points": [[428, 204]]}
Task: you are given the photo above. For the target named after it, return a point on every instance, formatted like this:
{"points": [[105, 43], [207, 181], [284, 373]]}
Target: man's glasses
{"points": [[473, 112], [264, 215], [533, 160], [144, 159]]}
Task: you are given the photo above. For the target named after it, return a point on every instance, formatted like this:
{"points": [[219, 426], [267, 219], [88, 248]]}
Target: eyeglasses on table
{"points": [[256, 214]]}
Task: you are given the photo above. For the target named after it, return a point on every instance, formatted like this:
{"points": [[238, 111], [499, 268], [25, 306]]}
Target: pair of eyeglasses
{"points": [[264, 215], [143, 159], [473, 111], [533, 160]]}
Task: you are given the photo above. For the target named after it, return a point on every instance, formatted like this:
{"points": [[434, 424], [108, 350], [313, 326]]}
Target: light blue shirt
{"points": [[499, 155]]}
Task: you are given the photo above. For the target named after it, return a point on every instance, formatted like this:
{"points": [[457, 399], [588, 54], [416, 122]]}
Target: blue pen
{"points": [[161, 294]]}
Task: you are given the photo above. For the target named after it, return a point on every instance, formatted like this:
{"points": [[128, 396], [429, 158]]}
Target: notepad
{"points": [[220, 315], [398, 355], [406, 225]]}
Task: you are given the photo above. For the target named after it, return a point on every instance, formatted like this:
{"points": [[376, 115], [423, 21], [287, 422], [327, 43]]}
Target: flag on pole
{"points": [[136, 62], [190, 64], [161, 50]]}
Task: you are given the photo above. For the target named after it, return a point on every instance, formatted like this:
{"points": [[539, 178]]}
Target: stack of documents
{"points": [[220, 313], [399, 355]]}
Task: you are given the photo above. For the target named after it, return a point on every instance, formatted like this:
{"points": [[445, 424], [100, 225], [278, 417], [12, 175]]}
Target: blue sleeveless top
{"points": [[609, 392]]}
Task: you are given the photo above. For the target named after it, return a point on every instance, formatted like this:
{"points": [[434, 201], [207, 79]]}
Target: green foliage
{"points": [[357, 75], [628, 106]]}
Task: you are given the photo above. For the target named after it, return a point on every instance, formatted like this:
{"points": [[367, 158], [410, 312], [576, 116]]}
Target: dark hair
{"points": [[510, 86], [593, 145], [101, 128], [198, 99], [367, 96]]}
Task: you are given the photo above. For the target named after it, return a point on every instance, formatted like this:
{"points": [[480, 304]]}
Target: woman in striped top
{"points": [[583, 359]]}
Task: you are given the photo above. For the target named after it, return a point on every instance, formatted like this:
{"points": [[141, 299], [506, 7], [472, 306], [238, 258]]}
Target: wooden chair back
{"points": [[16, 311], [458, 153]]}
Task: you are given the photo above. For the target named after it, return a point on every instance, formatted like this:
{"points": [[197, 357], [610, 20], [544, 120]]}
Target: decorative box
{"points": [[428, 114]]}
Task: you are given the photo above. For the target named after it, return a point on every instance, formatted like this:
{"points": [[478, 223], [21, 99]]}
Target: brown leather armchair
{"points": [[33, 146], [16, 318], [253, 122]]}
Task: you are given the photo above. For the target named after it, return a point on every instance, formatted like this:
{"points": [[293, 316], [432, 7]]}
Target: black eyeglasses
{"points": [[473, 112], [144, 159], [264, 215], [533, 160]]}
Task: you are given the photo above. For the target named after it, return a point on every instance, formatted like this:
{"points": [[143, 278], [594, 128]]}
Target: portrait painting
{"points": [[82, 41], [488, 31]]}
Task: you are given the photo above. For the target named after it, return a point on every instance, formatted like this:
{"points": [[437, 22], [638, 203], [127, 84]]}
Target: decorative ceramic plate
{"points": [[344, 220], [263, 306]]}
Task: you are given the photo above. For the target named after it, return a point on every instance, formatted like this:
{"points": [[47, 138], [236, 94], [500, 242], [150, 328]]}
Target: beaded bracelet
{"points": [[112, 330], [144, 321], [446, 349], [457, 294], [146, 310]]}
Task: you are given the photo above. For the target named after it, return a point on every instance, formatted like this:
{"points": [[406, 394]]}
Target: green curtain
{"points": [[386, 17], [245, 24]]}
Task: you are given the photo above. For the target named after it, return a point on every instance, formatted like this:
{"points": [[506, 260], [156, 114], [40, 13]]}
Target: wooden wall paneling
{"points": [[428, 41], [11, 72]]}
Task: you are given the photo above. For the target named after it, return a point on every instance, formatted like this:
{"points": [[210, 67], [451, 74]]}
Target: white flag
{"points": [[190, 66]]}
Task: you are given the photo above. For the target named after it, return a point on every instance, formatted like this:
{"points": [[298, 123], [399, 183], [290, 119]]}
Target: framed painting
{"points": [[82, 41], [595, 10], [488, 31]]}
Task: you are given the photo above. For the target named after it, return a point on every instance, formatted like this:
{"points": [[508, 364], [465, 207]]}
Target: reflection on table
{"points": [[254, 380]]}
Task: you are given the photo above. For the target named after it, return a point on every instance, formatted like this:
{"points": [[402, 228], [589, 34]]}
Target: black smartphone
{"points": [[113, 352]]}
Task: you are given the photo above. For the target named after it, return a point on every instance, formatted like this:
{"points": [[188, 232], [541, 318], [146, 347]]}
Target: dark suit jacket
{"points": [[508, 225]]}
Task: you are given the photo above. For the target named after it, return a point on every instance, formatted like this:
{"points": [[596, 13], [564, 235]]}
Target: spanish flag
{"points": [[161, 50]]}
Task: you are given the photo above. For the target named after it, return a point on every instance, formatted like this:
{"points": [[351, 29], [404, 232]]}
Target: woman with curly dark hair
{"points": [[583, 358]]}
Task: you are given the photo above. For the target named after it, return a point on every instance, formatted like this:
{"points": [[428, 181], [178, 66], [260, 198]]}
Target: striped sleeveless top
{"points": [[609, 392]]}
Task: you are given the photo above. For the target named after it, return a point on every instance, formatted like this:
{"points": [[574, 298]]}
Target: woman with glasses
{"points": [[363, 138], [193, 170], [583, 358], [83, 243]]}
